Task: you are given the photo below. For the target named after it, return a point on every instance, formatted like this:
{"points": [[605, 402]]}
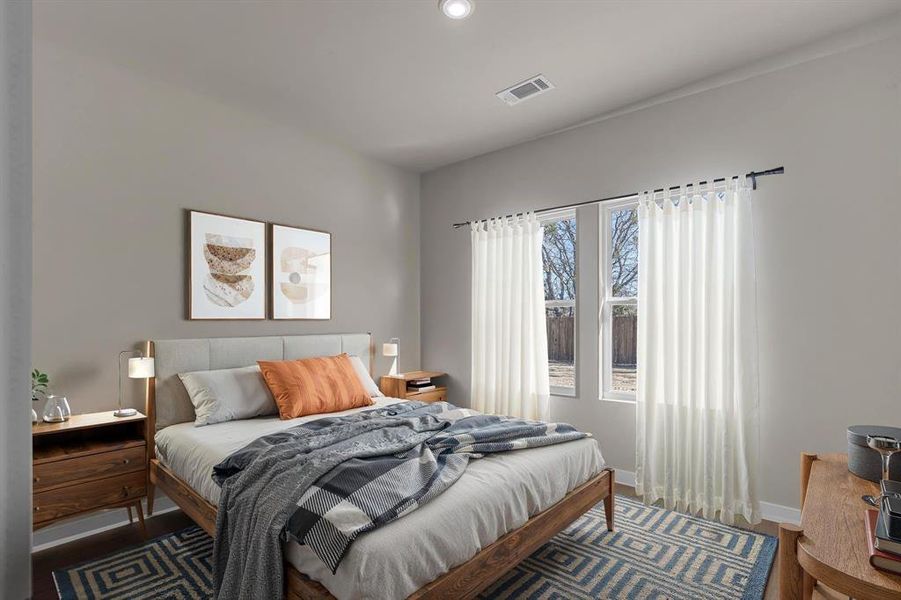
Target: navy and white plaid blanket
{"points": [[370, 468]]}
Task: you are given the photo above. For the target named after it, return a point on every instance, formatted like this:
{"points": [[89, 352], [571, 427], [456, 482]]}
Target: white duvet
{"points": [[495, 495]]}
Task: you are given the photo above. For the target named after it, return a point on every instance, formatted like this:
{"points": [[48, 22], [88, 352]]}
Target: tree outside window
{"points": [[619, 320], [559, 256]]}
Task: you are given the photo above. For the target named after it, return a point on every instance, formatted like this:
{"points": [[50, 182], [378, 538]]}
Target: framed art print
{"points": [[227, 267], [301, 273]]}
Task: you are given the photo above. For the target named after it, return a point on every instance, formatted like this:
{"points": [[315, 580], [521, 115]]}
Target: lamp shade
{"points": [[389, 349], [141, 368]]}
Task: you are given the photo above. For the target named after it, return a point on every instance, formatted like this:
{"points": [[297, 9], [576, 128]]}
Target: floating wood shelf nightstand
{"points": [[90, 462], [395, 386]]}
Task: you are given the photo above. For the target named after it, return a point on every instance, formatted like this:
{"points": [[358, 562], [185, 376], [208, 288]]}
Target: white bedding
{"points": [[495, 495]]}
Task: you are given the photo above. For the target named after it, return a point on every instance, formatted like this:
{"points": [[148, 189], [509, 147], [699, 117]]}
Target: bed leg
{"points": [[150, 494], [610, 502]]}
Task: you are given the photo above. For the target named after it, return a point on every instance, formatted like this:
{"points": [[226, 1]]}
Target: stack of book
{"points": [[415, 386], [883, 539]]}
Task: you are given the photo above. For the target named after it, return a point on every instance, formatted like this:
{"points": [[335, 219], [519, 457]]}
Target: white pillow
{"points": [[228, 395], [363, 375]]}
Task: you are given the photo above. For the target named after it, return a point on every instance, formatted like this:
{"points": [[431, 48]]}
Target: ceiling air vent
{"points": [[525, 89]]}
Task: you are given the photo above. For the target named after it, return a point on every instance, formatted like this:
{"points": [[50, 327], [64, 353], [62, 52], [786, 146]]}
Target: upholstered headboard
{"points": [[167, 400]]}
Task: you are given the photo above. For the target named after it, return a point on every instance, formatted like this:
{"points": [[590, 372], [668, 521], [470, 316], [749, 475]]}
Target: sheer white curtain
{"points": [[509, 335], [697, 424]]}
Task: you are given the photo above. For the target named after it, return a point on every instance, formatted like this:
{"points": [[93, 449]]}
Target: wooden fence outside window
{"points": [[561, 338]]}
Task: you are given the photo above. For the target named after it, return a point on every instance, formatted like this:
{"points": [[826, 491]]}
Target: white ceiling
{"points": [[397, 80]]}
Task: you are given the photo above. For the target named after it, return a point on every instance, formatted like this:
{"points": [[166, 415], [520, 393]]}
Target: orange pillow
{"points": [[314, 385]]}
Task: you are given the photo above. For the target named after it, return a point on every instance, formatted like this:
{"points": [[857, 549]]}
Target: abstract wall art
{"points": [[227, 267], [301, 273]]}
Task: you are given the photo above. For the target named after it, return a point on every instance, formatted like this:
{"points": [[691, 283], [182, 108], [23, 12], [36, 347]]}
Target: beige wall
{"points": [[118, 157], [828, 242]]}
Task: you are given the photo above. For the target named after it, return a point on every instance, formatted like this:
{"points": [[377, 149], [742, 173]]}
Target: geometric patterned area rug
{"points": [[176, 566], [653, 554]]}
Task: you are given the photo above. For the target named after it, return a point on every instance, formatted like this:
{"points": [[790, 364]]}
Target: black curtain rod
{"points": [[753, 175]]}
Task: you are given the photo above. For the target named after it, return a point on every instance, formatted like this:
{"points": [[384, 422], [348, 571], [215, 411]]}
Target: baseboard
{"points": [[780, 514], [77, 528], [776, 513], [625, 477]]}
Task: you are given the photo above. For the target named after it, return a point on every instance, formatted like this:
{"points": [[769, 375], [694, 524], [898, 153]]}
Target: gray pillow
{"points": [[363, 375], [228, 395]]}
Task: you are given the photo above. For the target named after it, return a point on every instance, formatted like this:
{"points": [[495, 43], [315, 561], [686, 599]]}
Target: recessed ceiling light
{"points": [[456, 9]]}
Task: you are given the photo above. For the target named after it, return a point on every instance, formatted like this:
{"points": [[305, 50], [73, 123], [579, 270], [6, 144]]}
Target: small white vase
{"points": [[34, 416]]}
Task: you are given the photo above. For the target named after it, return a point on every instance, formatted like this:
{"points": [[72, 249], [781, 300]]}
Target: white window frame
{"points": [[605, 333], [548, 217]]}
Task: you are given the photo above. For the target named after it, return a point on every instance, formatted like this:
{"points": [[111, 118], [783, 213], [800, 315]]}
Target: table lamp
{"points": [[391, 350], [140, 367]]}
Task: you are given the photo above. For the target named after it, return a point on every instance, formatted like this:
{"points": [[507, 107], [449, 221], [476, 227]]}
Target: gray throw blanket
{"points": [[325, 482]]}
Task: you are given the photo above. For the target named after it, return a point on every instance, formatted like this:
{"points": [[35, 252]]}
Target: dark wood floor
{"points": [[43, 563], [95, 546]]}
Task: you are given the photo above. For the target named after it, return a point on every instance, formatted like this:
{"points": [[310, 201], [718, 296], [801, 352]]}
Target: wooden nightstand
{"points": [[90, 462], [395, 386]]}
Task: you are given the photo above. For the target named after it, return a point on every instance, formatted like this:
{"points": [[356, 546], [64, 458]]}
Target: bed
{"points": [[535, 493]]}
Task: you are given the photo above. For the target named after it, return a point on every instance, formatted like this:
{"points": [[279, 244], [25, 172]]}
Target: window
{"points": [[559, 256], [619, 301]]}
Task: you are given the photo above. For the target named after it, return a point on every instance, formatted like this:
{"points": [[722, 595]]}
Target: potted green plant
{"points": [[40, 382]]}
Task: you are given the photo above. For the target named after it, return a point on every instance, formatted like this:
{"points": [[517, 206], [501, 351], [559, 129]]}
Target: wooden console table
{"points": [[830, 546]]}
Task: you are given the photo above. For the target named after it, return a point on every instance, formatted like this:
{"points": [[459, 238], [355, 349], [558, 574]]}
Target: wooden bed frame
{"points": [[462, 582]]}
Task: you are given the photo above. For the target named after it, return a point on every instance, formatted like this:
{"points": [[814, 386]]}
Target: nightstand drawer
{"points": [[433, 396], [90, 495], [93, 466]]}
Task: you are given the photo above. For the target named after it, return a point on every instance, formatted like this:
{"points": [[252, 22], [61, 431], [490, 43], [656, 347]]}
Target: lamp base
{"points": [[125, 412]]}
